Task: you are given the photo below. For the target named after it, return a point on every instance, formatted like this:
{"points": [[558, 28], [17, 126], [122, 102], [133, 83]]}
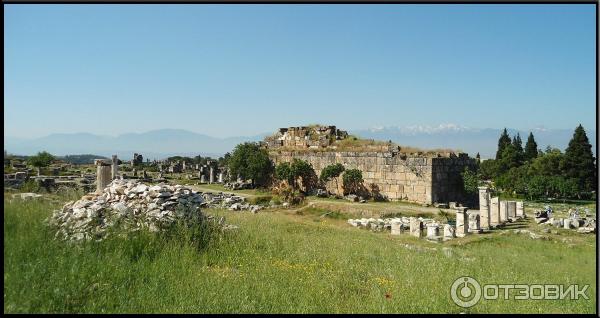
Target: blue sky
{"points": [[235, 70]]}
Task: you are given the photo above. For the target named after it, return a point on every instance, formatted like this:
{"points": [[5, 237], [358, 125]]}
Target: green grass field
{"points": [[280, 261]]}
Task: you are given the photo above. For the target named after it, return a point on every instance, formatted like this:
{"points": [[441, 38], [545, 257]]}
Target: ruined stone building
{"points": [[398, 174], [306, 137]]}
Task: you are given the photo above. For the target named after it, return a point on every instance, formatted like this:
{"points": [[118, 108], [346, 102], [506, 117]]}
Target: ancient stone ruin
{"points": [[306, 137], [423, 177]]}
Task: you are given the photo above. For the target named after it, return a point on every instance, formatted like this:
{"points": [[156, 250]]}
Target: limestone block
{"points": [[512, 209], [416, 227], [484, 207], [433, 231], [503, 212], [449, 231], [462, 225], [397, 228], [520, 209]]}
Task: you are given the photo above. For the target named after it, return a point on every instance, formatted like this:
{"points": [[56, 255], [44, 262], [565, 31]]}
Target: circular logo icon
{"points": [[465, 291]]}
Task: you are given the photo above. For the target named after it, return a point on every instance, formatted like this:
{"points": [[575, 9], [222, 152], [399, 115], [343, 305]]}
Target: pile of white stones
{"points": [[237, 185], [582, 225], [230, 201], [583, 222], [129, 205]]}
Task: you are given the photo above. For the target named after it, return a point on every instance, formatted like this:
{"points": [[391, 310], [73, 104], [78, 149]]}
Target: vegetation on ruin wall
{"points": [[357, 144], [537, 174], [276, 262]]}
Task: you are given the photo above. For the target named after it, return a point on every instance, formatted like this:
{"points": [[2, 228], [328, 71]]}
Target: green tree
{"points": [[548, 163], [352, 180], [531, 151], [251, 162], [568, 188], [536, 187], [514, 180], [508, 159], [291, 172], [302, 170], [579, 160], [40, 160], [503, 142], [470, 181], [488, 169], [332, 172], [518, 147], [283, 172]]}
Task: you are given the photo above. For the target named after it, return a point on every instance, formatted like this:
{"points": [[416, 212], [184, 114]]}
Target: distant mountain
{"points": [[469, 140], [158, 144], [81, 159]]}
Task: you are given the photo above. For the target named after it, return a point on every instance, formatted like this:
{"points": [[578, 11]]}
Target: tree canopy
{"points": [[503, 142], [578, 162], [352, 180], [531, 151], [41, 159], [250, 162]]}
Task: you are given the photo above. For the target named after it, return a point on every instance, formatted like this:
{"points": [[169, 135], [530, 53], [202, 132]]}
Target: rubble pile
{"points": [[129, 205], [582, 221], [237, 185], [230, 201]]}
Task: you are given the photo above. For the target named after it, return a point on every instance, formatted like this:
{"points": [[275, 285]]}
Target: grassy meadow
{"points": [[280, 261]]}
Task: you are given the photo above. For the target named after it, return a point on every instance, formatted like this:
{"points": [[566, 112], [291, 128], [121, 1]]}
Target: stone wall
{"points": [[399, 176]]}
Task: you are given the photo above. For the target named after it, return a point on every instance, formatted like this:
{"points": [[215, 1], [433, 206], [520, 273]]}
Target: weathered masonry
{"points": [[399, 176]]}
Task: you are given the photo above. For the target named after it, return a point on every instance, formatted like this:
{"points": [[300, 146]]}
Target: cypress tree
{"points": [[531, 151], [518, 148], [502, 143], [578, 162]]}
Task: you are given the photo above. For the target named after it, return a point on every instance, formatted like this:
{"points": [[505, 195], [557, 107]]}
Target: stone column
{"points": [[202, 178], [512, 209], [448, 231], [115, 167], [211, 176], [474, 222], [221, 177], [416, 227], [494, 211], [484, 207], [520, 209], [433, 231], [503, 212], [103, 174], [396, 228], [462, 225]]}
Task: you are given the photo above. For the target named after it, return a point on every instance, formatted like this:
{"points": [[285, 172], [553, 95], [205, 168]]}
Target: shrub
{"points": [[352, 180]]}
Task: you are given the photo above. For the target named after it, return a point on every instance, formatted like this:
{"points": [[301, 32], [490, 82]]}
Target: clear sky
{"points": [[238, 70]]}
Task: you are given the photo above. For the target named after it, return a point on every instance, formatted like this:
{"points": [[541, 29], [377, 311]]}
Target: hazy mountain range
{"points": [[162, 143]]}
